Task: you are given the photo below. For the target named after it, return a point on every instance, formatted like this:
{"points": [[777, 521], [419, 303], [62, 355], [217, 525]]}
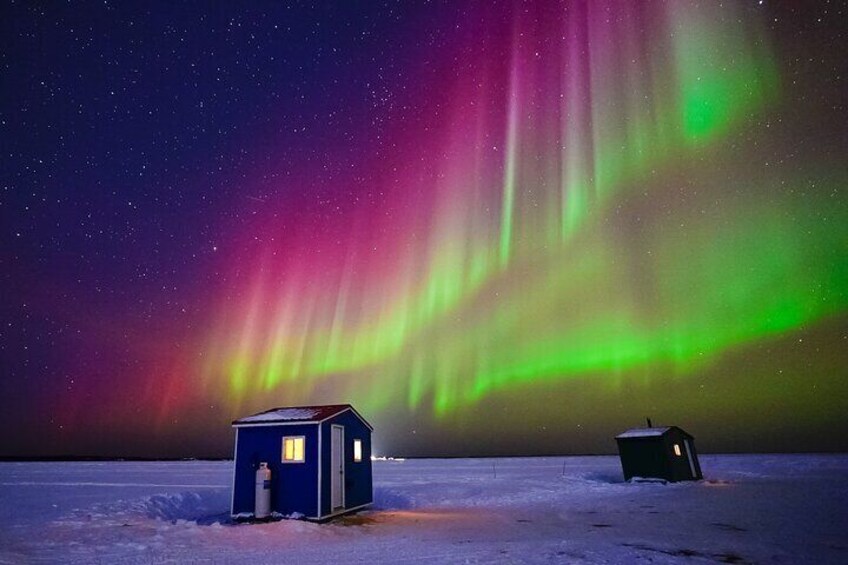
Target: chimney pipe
{"points": [[649, 423]]}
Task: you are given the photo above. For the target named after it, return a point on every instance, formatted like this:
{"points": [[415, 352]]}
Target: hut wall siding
{"points": [[358, 485], [293, 485]]}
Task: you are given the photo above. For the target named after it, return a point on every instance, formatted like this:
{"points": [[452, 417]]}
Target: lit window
{"points": [[357, 450], [293, 451], [677, 449]]}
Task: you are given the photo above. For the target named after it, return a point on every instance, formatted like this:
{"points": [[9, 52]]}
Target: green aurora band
{"points": [[593, 219]]}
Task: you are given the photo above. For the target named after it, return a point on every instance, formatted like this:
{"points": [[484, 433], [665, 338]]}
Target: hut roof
{"points": [[305, 414], [649, 432]]}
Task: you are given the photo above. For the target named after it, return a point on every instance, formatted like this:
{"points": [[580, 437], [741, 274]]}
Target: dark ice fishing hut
{"points": [[658, 452]]}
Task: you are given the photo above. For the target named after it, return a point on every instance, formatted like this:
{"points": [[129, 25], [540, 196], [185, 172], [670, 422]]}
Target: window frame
{"points": [[357, 442], [294, 449]]}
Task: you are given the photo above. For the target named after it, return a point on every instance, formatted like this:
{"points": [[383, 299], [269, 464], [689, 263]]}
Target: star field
{"points": [[564, 215]]}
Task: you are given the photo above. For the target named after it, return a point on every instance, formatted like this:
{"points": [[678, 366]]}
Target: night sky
{"points": [[494, 227]]}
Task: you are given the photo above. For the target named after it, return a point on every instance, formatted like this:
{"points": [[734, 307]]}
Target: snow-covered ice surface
{"points": [[751, 508]]}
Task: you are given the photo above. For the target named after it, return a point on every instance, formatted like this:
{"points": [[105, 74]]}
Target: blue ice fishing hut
{"points": [[319, 459]]}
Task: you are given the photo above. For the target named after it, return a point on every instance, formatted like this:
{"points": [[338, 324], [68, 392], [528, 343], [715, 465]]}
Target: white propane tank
{"points": [[263, 491]]}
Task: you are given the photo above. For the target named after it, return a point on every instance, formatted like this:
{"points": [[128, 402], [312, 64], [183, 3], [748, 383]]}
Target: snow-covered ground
{"points": [[751, 508]]}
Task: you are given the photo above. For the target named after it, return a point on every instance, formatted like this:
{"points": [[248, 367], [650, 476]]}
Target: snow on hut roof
{"points": [[294, 414], [651, 432], [643, 432], [304, 414]]}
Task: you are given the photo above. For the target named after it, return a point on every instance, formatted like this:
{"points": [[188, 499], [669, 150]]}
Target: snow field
{"points": [[751, 509]]}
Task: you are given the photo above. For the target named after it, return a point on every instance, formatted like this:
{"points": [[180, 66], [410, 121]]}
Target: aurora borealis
{"points": [[553, 217]]}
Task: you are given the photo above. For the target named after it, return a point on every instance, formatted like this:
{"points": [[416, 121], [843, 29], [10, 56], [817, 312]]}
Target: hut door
{"points": [[337, 467], [691, 459]]}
